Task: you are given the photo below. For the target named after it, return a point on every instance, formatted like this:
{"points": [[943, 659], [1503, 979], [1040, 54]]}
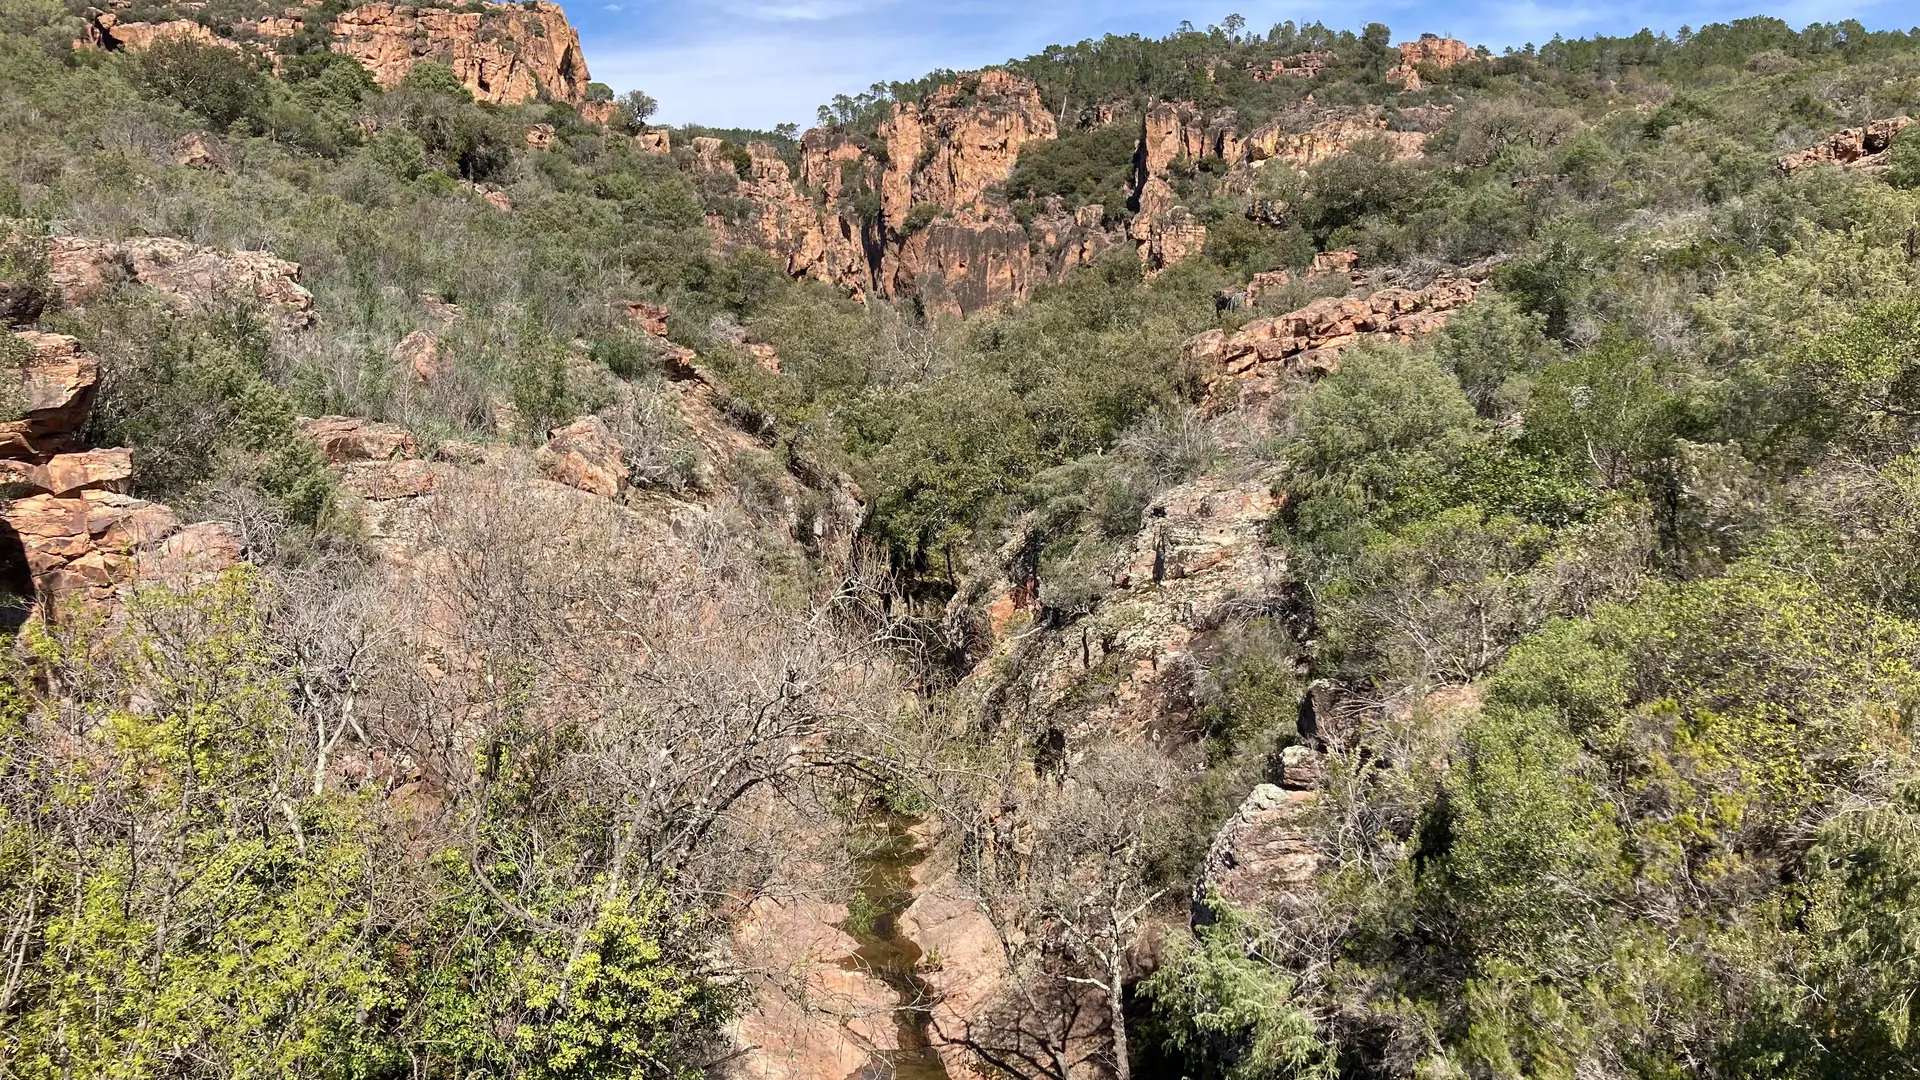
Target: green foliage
{"points": [[1080, 168], [196, 397], [198, 906], [1230, 1011], [1377, 440], [181, 940], [216, 81], [1903, 163], [1494, 349], [429, 77]]}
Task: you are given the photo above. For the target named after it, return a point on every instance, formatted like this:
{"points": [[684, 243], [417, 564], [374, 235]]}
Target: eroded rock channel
{"points": [[885, 889]]}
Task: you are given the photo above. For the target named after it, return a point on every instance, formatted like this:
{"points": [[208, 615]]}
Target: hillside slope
{"points": [[1236, 555]]}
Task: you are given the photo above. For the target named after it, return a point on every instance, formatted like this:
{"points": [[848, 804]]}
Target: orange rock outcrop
{"points": [[923, 220], [1309, 341], [920, 224], [188, 277], [505, 53], [71, 531], [1431, 51], [1860, 147], [104, 30]]}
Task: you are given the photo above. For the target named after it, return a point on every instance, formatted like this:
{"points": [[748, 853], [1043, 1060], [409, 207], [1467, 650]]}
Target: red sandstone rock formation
{"points": [[1309, 341], [104, 30], [187, 276], [1264, 855], [1307, 65], [72, 532], [349, 438], [425, 356], [52, 398], [945, 152], [1432, 51], [1861, 147], [507, 53], [585, 455], [503, 52]]}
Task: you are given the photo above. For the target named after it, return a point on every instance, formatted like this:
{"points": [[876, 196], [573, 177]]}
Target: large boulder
{"points": [[64, 474], [57, 380], [90, 545], [349, 438], [585, 455], [1264, 857], [425, 356]]}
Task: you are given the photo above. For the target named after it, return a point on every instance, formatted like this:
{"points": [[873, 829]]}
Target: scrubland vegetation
{"points": [[1623, 566]]}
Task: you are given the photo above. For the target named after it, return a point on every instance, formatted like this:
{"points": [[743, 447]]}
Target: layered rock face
{"points": [[1262, 356], [1862, 147], [503, 52], [105, 31], [1264, 857], [922, 220], [71, 531]]}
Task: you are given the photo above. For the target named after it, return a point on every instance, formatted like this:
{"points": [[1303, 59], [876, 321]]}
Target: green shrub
{"points": [[216, 81]]}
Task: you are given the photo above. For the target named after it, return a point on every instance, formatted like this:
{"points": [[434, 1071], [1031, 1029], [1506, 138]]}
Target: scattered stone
{"points": [[540, 137], [382, 481], [425, 355], [654, 141], [349, 438], [766, 356], [440, 309], [585, 455], [196, 151], [651, 318], [189, 277]]}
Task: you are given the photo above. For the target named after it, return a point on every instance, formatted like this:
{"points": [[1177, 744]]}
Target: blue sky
{"points": [[756, 63]]}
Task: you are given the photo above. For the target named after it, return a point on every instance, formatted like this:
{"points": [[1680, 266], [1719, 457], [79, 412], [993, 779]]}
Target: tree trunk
{"points": [[1117, 1007]]}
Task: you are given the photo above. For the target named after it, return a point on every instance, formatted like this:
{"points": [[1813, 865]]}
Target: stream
{"points": [[884, 890]]}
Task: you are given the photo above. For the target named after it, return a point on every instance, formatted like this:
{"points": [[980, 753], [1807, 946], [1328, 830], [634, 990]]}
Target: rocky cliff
{"points": [[907, 214], [916, 212], [503, 52]]}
